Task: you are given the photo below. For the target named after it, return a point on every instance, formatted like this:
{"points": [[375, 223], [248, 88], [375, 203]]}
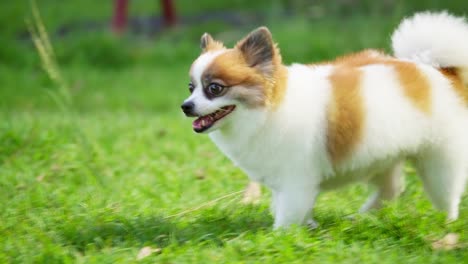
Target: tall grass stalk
{"points": [[62, 96], [44, 48]]}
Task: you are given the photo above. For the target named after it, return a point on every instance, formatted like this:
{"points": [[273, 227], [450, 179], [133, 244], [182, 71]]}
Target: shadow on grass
{"points": [[215, 227]]}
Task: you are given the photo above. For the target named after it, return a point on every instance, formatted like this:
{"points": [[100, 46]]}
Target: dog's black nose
{"points": [[188, 107]]}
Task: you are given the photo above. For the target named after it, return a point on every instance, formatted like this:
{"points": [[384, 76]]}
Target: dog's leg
{"points": [[310, 222], [293, 205], [274, 197], [389, 185], [444, 175]]}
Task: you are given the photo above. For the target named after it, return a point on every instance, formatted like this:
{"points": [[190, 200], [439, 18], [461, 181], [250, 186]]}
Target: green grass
{"points": [[100, 180], [99, 186]]}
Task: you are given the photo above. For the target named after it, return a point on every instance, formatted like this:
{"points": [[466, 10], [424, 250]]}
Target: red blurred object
{"points": [[120, 16], [120, 20], [168, 12]]}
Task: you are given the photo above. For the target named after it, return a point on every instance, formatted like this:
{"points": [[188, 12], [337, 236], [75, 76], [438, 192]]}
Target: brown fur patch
{"points": [[345, 115], [453, 75], [232, 69], [247, 84], [415, 85], [213, 46], [275, 97]]}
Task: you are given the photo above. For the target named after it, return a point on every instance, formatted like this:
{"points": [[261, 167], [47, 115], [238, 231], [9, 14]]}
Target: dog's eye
{"points": [[215, 89], [191, 87]]}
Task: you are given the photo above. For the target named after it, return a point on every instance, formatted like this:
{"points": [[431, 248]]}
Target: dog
{"points": [[305, 128]]}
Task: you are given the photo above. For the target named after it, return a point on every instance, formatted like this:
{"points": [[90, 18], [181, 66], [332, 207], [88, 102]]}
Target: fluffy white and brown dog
{"points": [[304, 128]]}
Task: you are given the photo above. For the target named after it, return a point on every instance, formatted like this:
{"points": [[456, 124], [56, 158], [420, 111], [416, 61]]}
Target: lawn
{"points": [[118, 168]]}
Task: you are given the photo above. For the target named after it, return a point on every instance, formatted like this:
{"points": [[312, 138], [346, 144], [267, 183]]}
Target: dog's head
{"points": [[225, 81]]}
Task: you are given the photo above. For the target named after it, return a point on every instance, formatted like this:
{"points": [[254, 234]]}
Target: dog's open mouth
{"points": [[204, 122]]}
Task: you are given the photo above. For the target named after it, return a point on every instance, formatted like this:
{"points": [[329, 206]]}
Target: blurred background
{"points": [[97, 161], [138, 59]]}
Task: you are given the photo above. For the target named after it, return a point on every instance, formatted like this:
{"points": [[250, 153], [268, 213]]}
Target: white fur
{"points": [[439, 39], [285, 148]]}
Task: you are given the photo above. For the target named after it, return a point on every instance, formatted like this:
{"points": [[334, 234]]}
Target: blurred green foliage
{"points": [[306, 31], [95, 183], [81, 29]]}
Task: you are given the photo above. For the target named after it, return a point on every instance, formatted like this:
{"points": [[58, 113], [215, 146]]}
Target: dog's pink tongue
{"points": [[202, 122], [197, 124]]}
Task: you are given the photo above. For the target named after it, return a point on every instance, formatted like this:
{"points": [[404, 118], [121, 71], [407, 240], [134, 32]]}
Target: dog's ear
{"points": [[208, 43], [205, 41], [258, 49]]}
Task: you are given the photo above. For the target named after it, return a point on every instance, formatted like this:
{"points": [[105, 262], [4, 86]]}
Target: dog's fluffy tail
{"points": [[439, 39]]}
